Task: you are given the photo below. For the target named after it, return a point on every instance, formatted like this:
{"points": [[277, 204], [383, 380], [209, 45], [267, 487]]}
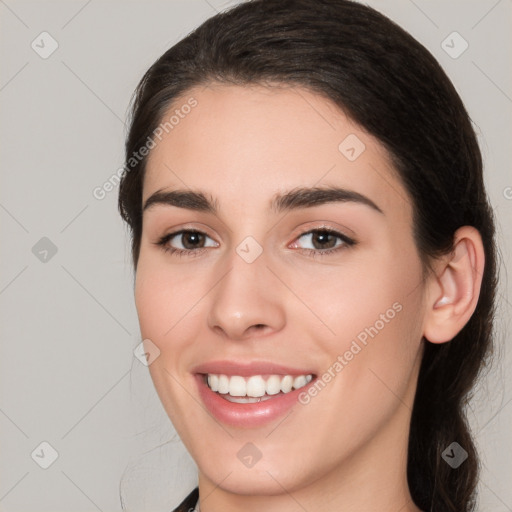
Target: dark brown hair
{"points": [[389, 84]]}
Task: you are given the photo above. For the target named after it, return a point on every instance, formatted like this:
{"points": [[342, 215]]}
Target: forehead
{"points": [[243, 144]]}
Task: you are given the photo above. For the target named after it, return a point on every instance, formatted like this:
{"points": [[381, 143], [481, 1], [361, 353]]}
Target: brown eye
{"points": [[192, 239], [325, 241], [192, 242]]}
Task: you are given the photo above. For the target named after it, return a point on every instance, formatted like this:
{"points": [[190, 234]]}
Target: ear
{"points": [[452, 293]]}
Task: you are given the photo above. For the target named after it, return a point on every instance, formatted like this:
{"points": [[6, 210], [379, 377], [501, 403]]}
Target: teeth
{"points": [[300, 381], [213, 382], [245, 399], [223, 384], [273, 385], [255, 386], [237, 386], [287, 384]]}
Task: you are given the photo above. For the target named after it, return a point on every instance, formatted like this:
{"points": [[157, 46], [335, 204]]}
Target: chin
{"points": [[250, 482]]}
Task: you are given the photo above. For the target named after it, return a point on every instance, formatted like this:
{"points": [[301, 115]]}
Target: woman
{"points": [[314, 258]]}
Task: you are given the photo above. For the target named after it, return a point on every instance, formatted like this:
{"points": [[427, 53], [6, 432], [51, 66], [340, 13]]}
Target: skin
{"points": [[347, 448]]}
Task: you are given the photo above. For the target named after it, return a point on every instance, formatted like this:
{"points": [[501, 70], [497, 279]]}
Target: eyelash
{"points": [[347, 242]]}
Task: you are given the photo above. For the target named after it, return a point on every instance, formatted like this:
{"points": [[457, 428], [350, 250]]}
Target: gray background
{"points": [[68, 323]]}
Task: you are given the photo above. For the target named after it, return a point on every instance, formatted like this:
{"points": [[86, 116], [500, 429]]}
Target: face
{"points": [[267, 282]]}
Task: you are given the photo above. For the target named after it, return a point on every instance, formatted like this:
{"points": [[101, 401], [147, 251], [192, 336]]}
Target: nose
{"points": [[247, 300]]}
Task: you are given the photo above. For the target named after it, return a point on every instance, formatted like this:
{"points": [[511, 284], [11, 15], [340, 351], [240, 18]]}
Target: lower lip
{"points": [[247, 415]]}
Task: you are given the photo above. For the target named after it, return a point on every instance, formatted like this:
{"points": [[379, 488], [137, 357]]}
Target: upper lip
{"points": [[246, 369]]}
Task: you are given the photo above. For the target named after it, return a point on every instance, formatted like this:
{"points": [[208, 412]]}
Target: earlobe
{"points": [[453, 292]]}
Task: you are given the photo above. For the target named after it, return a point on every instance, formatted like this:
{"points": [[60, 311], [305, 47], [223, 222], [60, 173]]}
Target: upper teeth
{"points": [[256, 385]]}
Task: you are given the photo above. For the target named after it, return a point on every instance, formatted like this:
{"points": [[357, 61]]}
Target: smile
{"points": [[255, 388], [254, 399]]}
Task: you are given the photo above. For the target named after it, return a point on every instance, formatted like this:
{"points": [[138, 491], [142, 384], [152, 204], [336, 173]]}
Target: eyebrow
{"points": [[295, 199]]}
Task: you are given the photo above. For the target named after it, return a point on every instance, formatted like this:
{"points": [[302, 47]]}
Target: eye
{"points": [[325, 241], [191, 241]]}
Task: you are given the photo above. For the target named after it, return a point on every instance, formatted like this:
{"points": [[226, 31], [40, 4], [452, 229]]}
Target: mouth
{"points": [[250, 395], [255, 388]]}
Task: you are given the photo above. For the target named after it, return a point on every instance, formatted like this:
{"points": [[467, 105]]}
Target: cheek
{"points": [[383, 342], [152, 302], [347, 300], [372, 322], [163, 295], [165, 306]]}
